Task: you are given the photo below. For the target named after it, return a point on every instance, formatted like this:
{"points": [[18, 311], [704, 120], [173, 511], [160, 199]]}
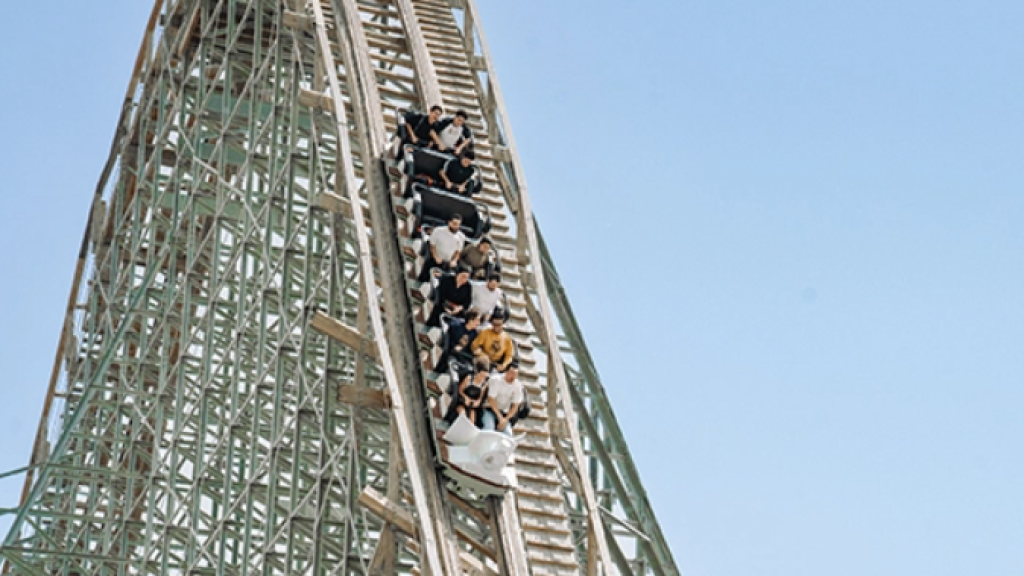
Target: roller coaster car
{"points": [[433, 207], [427, 162], [482, 456], [478, 462]]}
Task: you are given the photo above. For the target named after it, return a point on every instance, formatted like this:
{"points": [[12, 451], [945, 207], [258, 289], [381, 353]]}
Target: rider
{"points": [[446, 244], [487, 295], [471, 393], [460, 336], [495, 344], [504, 397], [481, 258], [459, 175], [420, 128], [453, 133], [454, 295]]}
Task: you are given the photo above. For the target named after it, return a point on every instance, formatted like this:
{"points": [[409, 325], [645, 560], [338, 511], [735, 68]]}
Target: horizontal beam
{"points": [[334, 203], [345, 334], [364, 397]]}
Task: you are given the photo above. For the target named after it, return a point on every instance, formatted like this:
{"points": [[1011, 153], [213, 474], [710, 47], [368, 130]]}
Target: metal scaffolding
{"points": [[239, 385]]}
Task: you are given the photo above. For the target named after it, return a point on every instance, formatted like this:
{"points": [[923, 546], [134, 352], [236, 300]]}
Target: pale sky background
{"points": [[791, 231]]}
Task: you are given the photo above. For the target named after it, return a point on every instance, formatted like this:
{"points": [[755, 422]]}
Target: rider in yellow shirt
{"points": [[495, 344]]}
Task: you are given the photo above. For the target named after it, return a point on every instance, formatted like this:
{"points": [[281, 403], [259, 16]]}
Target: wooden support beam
{"points": [[508, 528], [477, 514], [364, 397], [334, 203], [298, 21], [316, 100], [388, 511], [402, 520], [342, 333], [384, 556]]}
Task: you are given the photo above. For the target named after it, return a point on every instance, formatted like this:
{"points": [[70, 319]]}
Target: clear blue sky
{"points": [[791, 231]]}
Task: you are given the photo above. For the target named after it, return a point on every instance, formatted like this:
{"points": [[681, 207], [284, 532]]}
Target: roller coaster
{"points": [[258, 372]]}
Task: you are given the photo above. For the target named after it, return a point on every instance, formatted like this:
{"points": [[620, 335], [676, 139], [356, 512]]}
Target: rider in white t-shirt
{"points": [[487, 296], [505, 395], [446, 243], [453, 133]]}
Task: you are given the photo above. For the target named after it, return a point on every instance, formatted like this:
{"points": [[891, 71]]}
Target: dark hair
{"points": [[462, 113], [494, 276], [455, 216], [481, 363], [486, 240], [513, 365], [468, 154], [436, 107], [472, 314], [462, 268]]}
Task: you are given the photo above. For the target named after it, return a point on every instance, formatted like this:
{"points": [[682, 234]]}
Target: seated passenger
{"points": [[486, 296], [420, 128], [495, 344], [445, 244], [459, 175], [481, 259], [454, 135], [459, 338], [454, 295], [472, 392], [505, 397]]}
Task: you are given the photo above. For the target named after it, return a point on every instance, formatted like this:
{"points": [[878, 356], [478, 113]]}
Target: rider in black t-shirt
{"points": [[420, 129], [459, 175], [471, 392]]}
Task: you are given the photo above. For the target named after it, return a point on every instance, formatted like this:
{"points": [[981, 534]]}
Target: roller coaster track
{"points": [[240, 384]]}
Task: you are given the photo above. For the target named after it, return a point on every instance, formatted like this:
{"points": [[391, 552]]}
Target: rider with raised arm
{"points": [[420, 128]]}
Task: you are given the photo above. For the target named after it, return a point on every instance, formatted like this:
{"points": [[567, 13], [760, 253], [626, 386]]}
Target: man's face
{"points": [[473, 324], [461, 278], [511, 374], [434, 115], [492, 285], [498, 325], [466, 162], [453, 226], [458, 121], [484, 247]]}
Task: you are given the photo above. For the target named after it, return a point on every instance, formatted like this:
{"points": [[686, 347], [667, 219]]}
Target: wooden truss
{"points": [[238, 387]]}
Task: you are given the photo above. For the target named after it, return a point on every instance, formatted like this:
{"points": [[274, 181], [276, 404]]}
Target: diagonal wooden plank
{"points": [[345, 334]]}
